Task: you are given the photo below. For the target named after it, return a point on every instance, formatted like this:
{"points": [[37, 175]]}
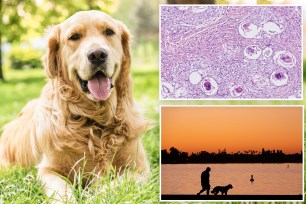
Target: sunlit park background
{"points": [[23, 42]]}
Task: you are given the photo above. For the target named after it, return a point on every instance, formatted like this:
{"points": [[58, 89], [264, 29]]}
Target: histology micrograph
{"points": [[231, 52]]}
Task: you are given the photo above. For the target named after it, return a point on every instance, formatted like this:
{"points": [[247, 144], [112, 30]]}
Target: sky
{"points": [[193, 129]]}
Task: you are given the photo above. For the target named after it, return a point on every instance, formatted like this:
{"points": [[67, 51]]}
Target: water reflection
{"points": [[270, 179]]}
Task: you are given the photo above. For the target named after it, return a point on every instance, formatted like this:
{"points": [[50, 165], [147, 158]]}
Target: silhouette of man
{"points": [[205, 181]]}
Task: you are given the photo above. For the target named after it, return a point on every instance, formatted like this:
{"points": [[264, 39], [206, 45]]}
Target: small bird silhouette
{"points": [[252, 179]]}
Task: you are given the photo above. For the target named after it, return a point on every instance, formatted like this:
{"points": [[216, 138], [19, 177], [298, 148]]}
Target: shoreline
{"points": [[242, 163], [232, 197]]}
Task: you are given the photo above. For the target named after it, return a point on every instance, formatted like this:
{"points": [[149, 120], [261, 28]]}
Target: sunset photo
{"points": [[231, 152]]}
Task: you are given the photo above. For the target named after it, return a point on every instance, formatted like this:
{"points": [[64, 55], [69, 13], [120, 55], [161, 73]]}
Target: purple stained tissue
{"points": [[231, 52]]}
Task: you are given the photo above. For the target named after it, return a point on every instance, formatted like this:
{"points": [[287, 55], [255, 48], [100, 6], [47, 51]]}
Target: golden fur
{"points": [[66, 124]]}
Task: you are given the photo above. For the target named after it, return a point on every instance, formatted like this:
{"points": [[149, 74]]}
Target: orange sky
{"points": [[193, 129]]}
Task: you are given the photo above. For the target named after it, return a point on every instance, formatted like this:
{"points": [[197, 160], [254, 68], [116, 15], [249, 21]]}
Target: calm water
{"points": [[270, 179]]}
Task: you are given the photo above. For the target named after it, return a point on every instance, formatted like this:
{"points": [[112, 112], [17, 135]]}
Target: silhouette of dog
{"points": [[222, 189]]}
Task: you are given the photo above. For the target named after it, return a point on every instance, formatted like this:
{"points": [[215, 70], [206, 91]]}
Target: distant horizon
{"points": [[235, 128], [242, 151]]}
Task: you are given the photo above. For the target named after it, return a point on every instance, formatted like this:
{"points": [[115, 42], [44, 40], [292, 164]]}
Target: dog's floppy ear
{"points": [[125, 40], [124, 84], [130, 118], [51, 57]]}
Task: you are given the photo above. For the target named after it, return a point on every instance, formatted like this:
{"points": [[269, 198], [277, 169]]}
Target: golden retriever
{"points": [[86, 111]]}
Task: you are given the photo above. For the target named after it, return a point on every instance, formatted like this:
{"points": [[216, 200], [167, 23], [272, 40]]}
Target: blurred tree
{"points": [[24, 19], [147, 15], [141, 18], [11, 27]]}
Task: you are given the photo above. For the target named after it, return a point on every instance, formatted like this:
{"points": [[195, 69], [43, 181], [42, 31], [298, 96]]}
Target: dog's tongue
{"points": [[99, 86]]}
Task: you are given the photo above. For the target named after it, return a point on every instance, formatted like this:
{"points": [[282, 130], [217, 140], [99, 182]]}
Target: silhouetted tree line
{"points": [[175, 156]]}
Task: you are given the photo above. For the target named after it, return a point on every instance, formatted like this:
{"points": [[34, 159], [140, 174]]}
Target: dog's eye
{"points": [[109, 32], [75, 37]]}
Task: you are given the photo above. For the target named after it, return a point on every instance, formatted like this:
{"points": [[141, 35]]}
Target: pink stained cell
{"points": [[230, 52]]}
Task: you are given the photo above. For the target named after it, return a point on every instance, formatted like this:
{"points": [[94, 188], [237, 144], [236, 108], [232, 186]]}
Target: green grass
{"points": [[19, 88], [19, 185]]}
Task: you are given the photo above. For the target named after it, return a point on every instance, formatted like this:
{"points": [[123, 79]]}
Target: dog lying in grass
{"points": [[222, 189], [86, 118]]}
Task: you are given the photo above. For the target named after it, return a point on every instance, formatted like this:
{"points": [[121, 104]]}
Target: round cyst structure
{"points": [[252, 52], [195, 77], [209, 86], [279, 78]]}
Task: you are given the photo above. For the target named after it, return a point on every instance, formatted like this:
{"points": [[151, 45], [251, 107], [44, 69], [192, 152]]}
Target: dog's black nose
{"points": [[97, 56]]}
